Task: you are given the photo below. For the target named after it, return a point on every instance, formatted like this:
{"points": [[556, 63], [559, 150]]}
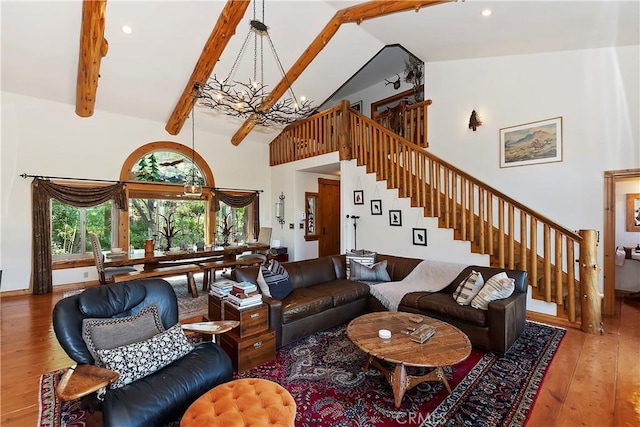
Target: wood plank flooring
{"points": [[593, 380]]}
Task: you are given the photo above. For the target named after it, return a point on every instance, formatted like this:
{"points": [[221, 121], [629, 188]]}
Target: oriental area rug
{"points": [[324, 374]]}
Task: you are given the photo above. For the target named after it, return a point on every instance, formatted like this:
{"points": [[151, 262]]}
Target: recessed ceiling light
{"points": [[486, 12], [126, 29]]}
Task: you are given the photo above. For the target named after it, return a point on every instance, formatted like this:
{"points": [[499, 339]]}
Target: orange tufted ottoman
{"points": [[246, 402]]}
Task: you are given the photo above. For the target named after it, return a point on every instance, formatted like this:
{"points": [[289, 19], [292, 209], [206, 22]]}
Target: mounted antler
{"points": [[396, 84]]}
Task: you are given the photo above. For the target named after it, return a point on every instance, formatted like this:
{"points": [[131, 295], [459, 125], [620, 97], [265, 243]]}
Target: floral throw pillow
{"points": [[137, 360]]}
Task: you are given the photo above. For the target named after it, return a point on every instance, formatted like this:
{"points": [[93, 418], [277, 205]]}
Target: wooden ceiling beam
{"points": [[93, 46], [357, 13], [224, 29]]}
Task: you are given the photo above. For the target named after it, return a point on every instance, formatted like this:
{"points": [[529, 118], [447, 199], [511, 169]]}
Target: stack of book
{"points": [[242, 300], [244, 288], [221, 289]]}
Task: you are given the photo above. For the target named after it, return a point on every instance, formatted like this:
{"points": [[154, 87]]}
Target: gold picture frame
{"points": [[633, 212]]}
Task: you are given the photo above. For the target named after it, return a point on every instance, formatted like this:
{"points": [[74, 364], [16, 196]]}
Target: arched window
{"points": [[158, 209]]}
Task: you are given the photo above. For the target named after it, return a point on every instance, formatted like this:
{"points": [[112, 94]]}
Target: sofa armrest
{"points": [[507, 318], [275, 317]]}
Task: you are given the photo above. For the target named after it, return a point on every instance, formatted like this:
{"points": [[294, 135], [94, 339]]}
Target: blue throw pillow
{"points": [[277, 278]]}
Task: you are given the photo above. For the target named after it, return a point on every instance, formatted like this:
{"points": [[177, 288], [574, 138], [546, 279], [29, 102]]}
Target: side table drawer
{"points": [[252, 320], [247, 353]]}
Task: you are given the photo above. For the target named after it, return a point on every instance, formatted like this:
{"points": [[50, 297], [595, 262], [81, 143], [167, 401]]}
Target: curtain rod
{"points": [[26, 175], [236, 189]]}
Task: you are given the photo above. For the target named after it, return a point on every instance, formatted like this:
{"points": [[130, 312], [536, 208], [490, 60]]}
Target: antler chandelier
{"points": [[239, 99]]}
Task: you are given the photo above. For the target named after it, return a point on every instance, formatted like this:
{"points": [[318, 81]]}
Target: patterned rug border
{"points": [[453, 403]]}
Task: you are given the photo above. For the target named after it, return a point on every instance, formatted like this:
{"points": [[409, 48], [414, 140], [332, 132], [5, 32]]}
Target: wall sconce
{"points": [[474, 121], [280, 209]]}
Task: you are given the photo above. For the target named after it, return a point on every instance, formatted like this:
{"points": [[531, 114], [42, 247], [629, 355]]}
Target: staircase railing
{"points": [[513, 235]]}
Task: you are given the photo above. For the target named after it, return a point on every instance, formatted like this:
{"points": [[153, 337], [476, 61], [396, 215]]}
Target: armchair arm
{"points": [[507, 318], [275, 317]]}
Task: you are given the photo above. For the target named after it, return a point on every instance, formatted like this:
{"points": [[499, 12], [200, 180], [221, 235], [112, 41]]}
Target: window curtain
{"points": [[80, 196], [238, 201]]}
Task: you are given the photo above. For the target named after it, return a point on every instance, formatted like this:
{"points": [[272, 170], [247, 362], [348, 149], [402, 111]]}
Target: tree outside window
{"points": [[70, 226]]}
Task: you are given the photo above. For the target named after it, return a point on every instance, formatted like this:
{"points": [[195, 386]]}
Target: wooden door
{"points": [[328, 219]]}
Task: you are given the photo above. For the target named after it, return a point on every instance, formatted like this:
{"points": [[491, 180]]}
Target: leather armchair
{"points": [[162, 396]]}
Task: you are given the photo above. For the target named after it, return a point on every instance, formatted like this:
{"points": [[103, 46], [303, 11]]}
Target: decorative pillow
{"points": [[100, 334], [362, 256], [277, 280], [137, 360], [264, 288], [498, 287], [468, 288], [376, 273]]}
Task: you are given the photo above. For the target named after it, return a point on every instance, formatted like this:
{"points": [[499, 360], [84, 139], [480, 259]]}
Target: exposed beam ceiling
{"points": [[358, 13], [93, 47], [225, 28]]}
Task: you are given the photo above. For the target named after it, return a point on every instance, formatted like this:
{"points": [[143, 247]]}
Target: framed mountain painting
{"points": [[531, 143]]}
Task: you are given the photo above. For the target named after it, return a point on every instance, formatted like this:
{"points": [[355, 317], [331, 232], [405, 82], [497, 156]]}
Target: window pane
{"points": [[168, 222], [70, 225], [165, 166], [232, 225]]}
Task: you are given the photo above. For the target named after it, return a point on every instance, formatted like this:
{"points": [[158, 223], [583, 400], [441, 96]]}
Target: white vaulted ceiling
{"points": [[144, 74]]}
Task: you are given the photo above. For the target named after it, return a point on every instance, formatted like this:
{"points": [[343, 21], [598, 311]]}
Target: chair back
{"points": [[264, 236], [98, 257], [108, 302]]}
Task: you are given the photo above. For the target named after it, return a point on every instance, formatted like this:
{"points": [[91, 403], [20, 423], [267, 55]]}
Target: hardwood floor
{"points": [[593, 380]]}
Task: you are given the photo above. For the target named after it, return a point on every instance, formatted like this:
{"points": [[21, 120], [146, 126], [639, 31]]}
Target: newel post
{"points": [[590, 296], [344, 132]]}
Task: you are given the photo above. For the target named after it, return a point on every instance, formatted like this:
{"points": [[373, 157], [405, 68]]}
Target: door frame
{"points": [[609, 236]]}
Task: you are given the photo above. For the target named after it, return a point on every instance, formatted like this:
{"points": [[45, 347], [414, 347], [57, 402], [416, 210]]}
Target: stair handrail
{"points": [[575, 236]]}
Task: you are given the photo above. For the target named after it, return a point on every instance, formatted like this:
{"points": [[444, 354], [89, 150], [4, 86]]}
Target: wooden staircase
{"points": [[510, 233]]}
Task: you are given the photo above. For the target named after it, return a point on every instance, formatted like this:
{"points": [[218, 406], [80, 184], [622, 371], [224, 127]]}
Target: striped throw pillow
{"points": [[468, 288], [367, 258], [497, 287], [277, 279]]}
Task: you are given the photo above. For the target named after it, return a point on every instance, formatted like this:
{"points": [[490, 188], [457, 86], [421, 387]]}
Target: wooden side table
{"points": [[213, 328], [81, 380]]}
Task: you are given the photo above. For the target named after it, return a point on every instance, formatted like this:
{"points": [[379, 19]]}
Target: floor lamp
{"points": [[355, 230]]}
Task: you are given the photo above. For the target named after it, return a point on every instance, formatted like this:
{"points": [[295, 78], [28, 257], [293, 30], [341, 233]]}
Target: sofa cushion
{"points": [[362, 256], [497, 287], [374, 273], [304, 302], [442, 305], [139, 359], [343, 291], [277, 279], [101, 334], [468, 288]]}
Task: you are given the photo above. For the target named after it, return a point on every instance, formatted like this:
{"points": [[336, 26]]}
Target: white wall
{"points": [[596, 92], [47, 138], [627, 275]]}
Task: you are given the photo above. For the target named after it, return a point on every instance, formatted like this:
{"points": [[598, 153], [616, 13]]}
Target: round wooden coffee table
{"points": [[447, 347]]}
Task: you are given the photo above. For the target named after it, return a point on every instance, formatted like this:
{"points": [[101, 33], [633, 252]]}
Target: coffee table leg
{"points": [[399, 383]]}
